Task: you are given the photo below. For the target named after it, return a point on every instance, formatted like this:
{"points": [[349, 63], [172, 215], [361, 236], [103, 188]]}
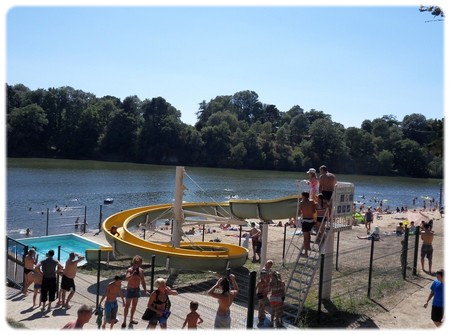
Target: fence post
{"points": [[100, 218], [284, 241], [405, 252], [25, 252], [152, 275], [57, 276], [416, 250], [251, 299], [372, 247], [46, 230], [98, 276], [319, 308], [240, 234], [337, 249], [85, 222], [203, 233]]}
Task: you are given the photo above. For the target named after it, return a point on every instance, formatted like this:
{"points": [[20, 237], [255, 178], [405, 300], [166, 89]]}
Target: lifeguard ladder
{"points": [[303, 269]]}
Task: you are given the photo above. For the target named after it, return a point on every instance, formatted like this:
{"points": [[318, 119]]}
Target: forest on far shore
{"points": [[232, 131]]}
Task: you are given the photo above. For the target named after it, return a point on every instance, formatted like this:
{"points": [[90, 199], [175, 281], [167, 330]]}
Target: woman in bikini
{"points": [[159, 303], [30, 262]]}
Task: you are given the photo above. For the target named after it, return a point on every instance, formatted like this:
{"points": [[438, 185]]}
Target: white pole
{"points": [[264, 239], [178, 207]]}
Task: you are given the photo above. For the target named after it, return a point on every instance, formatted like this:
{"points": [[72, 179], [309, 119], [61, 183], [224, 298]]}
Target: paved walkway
{"points": [[18, 307]]}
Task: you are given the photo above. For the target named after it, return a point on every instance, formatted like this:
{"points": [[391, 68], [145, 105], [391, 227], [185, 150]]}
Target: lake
{"points": [[70, 190]]}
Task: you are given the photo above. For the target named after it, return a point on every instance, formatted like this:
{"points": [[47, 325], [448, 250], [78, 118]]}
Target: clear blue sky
{"points": [[355, 63]]}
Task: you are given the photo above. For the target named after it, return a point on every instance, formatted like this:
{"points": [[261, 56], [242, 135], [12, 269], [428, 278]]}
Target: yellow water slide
{"points": [[194, 256]]}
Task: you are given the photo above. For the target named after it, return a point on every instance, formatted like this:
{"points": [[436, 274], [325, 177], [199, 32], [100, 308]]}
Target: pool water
{"points": [[68, 243]]}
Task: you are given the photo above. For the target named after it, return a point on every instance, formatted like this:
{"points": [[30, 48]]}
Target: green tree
{"points": [[410, 159], [120, 140], [247, 106], [161, 130], [327, 144], [26, 130], [415, 127], [385, 162]]}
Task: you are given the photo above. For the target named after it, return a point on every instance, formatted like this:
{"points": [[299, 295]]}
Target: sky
{"points": [[352, 62]]}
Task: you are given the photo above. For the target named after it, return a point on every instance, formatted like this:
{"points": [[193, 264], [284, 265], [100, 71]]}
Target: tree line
{"points": [[232, 131]]}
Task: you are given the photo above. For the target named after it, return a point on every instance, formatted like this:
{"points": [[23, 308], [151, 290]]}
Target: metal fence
{"points": [[15, 254], [379, 271]]}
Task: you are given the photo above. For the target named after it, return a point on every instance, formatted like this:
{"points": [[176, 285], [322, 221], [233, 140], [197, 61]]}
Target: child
{"points": [[313, 181], [192, 317], [37, 278], [113, 290], [262, 290], [278, 289]]}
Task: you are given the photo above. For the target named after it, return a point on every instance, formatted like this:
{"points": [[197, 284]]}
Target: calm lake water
{"points": [[71, 189]]}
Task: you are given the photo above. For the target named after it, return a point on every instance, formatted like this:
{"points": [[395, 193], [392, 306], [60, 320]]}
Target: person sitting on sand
{"points": [[375, 235], [190, 231], [399, 230]]}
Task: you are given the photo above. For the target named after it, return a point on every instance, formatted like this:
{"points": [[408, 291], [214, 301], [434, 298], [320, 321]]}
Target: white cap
{"points": [[311, 170]]}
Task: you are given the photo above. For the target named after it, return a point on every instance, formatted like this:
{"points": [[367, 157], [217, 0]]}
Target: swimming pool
{"points": [[68, 243]]}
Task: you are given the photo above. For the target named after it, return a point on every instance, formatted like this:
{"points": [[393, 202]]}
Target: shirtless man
{"points": [[68, 279], [134, 277], [84, 314], [225, 299], [113, 290], [327, 181], [30, 262], [255, 235], [307, 211], [427, 248]]}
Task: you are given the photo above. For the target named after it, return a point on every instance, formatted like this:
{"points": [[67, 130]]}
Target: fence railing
{"points": [[15, 254]]}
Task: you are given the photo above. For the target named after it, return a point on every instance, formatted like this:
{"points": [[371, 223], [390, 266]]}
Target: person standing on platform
{"points": [[307, 211], [68, 279], [134, 277], [49, 268], [225, 299], [327, 182], [313, 182], [30, 262], [113, 290]]}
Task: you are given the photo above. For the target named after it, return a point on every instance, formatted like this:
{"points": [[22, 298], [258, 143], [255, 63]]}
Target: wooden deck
{"points": [[86, 290]]}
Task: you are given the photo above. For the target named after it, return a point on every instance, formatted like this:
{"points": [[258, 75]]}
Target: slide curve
{"points": [[199, 256]]}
